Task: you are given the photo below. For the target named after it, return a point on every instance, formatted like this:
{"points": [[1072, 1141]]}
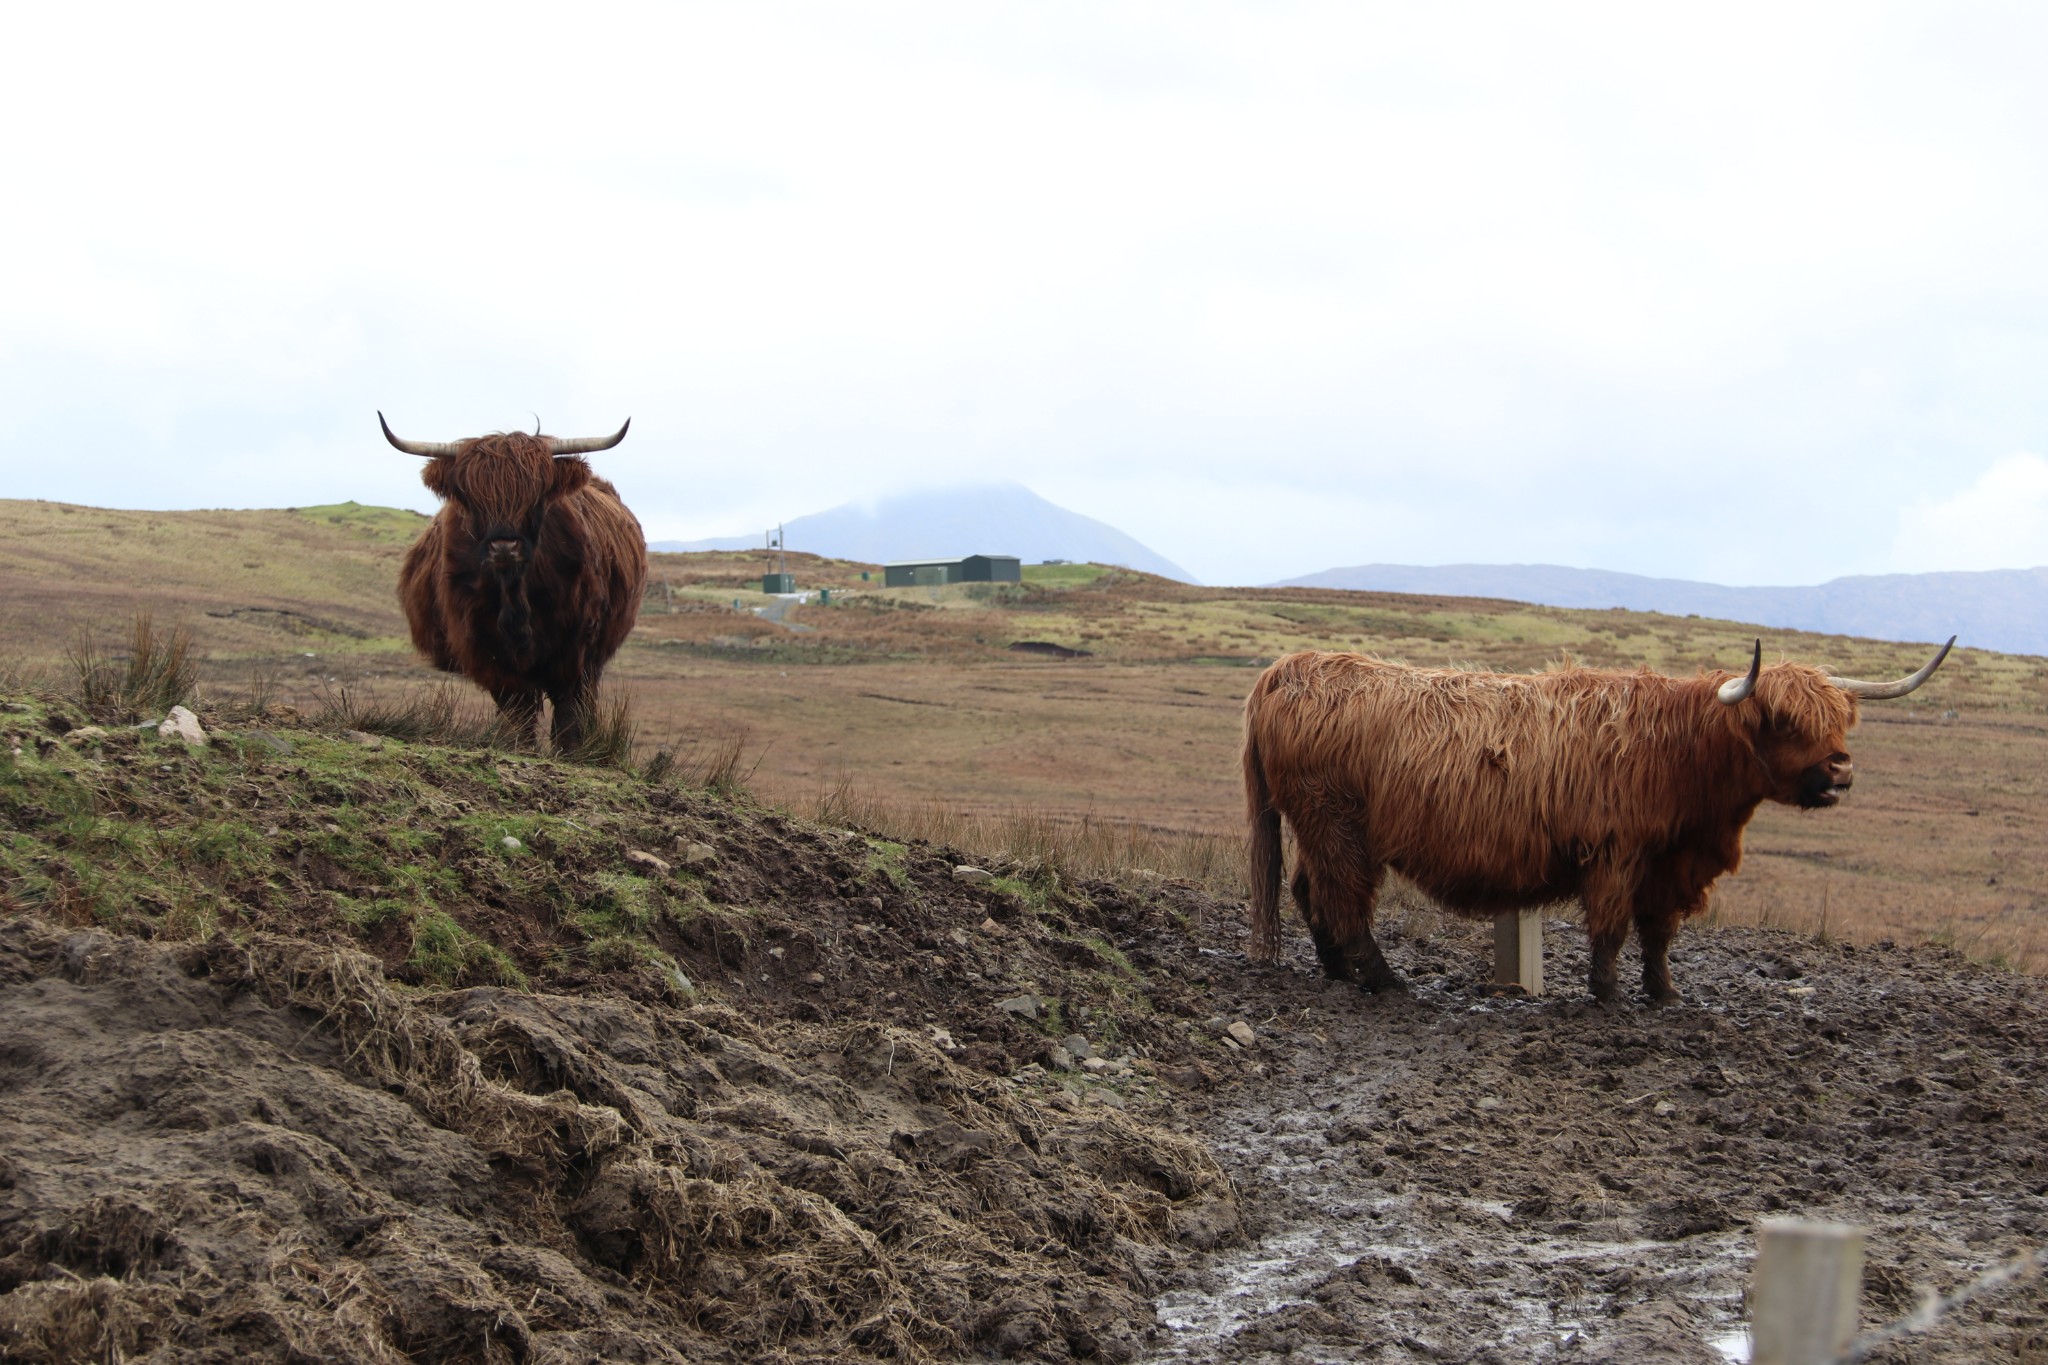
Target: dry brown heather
{"points": [[906, 708]]}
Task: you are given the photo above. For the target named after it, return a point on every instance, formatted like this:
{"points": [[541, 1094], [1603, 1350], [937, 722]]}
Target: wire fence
{"points": [[1936, 1307]]}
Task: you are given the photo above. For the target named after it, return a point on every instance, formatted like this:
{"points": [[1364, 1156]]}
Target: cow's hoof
{"points": [[1657, 1000]]}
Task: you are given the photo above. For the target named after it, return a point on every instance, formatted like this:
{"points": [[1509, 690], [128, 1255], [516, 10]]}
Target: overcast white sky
{"points": [[1757, 294]]}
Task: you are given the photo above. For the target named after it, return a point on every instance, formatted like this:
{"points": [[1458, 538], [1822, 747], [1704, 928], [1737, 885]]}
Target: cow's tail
{"points": [[1264, 853]]}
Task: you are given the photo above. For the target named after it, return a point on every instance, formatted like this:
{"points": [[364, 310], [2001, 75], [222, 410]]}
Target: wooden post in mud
{"points": [[1518, 950], [1803, 1299]]}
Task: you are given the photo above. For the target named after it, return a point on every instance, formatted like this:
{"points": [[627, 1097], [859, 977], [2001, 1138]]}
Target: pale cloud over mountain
{"points": [[1272, 287]]}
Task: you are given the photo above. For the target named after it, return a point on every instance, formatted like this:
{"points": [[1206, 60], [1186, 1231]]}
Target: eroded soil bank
{"points": [[319, 1047]]}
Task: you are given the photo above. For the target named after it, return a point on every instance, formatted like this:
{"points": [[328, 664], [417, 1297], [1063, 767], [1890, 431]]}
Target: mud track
{"points": [[1442, 1175]]}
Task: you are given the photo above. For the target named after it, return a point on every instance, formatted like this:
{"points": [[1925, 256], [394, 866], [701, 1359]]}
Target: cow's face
{"points": [[1801, 736], [503, 486]]}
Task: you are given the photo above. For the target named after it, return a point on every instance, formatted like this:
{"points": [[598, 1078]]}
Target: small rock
{"points": [[85, 734], [991, 928], [647, 862], [1077, 1045], [1488, 1102], [959, 939], [332, 829], [1106, 1097], [1665, 1109], [182, 724], [277, 744], [1098, 1065], [1024, 1006], [364, 738], [510, 844], [696, 854], [814, 978], [942, 1036], [1242, 1031], [1060, 1058], [973, 876], [1231, 1043], [876, 903]]}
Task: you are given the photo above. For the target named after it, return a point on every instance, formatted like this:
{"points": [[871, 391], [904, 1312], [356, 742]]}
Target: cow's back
{"points": [[1487, 789]]}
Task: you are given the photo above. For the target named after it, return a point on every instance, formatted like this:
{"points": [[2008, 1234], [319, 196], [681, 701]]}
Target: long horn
{"points": [[1735, 689], [428, 449], [1870, 691], [586, 445]]}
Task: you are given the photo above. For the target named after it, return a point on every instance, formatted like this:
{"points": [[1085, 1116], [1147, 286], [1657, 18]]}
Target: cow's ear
{"points": [[435, 476], [572, 472]]}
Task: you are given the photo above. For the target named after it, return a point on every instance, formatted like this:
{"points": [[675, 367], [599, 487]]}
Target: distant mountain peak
{"points": [[947, 523]]}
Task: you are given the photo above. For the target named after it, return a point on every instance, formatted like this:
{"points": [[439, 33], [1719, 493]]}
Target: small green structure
{"points": [[778, 582]]}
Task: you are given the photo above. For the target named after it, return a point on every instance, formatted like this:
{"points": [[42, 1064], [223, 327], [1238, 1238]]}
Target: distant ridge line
{"points": [[2001, 609]]}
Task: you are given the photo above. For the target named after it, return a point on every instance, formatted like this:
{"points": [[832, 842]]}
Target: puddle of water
{"points": [[1733, 1346]]}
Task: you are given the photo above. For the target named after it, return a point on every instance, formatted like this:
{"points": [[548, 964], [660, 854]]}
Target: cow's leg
{"points": [[1654, 930], [1328, 950], [1609, 912], [1674, 890], [519, 708], [1341, 901], [572, 711]]}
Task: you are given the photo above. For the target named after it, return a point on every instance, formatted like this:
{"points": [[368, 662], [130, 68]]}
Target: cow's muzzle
{"points": [[502, 553], [1825, 784]]}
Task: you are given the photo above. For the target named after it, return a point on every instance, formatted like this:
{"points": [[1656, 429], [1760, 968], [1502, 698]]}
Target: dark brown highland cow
{"points": [[529, 578], [1495, 792]]}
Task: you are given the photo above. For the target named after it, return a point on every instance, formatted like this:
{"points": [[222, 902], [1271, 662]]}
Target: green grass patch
{"points": [[447, 954]]}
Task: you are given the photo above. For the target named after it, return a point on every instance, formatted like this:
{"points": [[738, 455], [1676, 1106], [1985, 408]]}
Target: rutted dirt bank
{"points": [[806, 1095]]}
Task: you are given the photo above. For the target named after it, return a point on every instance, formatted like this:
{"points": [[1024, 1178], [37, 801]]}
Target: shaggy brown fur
{"points": [[1496, 792], [529, 578]]}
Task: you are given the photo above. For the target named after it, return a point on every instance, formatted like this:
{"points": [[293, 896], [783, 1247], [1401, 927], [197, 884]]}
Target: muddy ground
{"points": [[806, 1094]]}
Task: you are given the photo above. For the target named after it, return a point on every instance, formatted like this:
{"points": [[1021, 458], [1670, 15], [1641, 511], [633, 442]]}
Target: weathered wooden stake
{"points": [[1518, 950], [1803, 1300]]}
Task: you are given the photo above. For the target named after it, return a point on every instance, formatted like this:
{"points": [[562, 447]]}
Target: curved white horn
{"points": [[1735, 689], [428, 449], [585, 445], [1870, 691]]}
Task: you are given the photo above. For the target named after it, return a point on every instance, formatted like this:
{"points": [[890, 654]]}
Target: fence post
{"points": [[1804, 1296], [1518, 950]]}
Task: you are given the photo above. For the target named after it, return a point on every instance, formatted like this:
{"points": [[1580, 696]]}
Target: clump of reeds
{"points": [[718, 765], [439, 713], [608, 732], [159, 671]]}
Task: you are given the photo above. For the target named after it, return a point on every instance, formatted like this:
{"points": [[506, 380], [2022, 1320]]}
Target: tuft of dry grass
{"points": [[609, 732], [438, 713], [158, 672], [717, 764]]}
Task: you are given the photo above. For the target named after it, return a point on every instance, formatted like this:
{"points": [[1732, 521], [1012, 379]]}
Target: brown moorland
{"points": [[909, 708]]}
